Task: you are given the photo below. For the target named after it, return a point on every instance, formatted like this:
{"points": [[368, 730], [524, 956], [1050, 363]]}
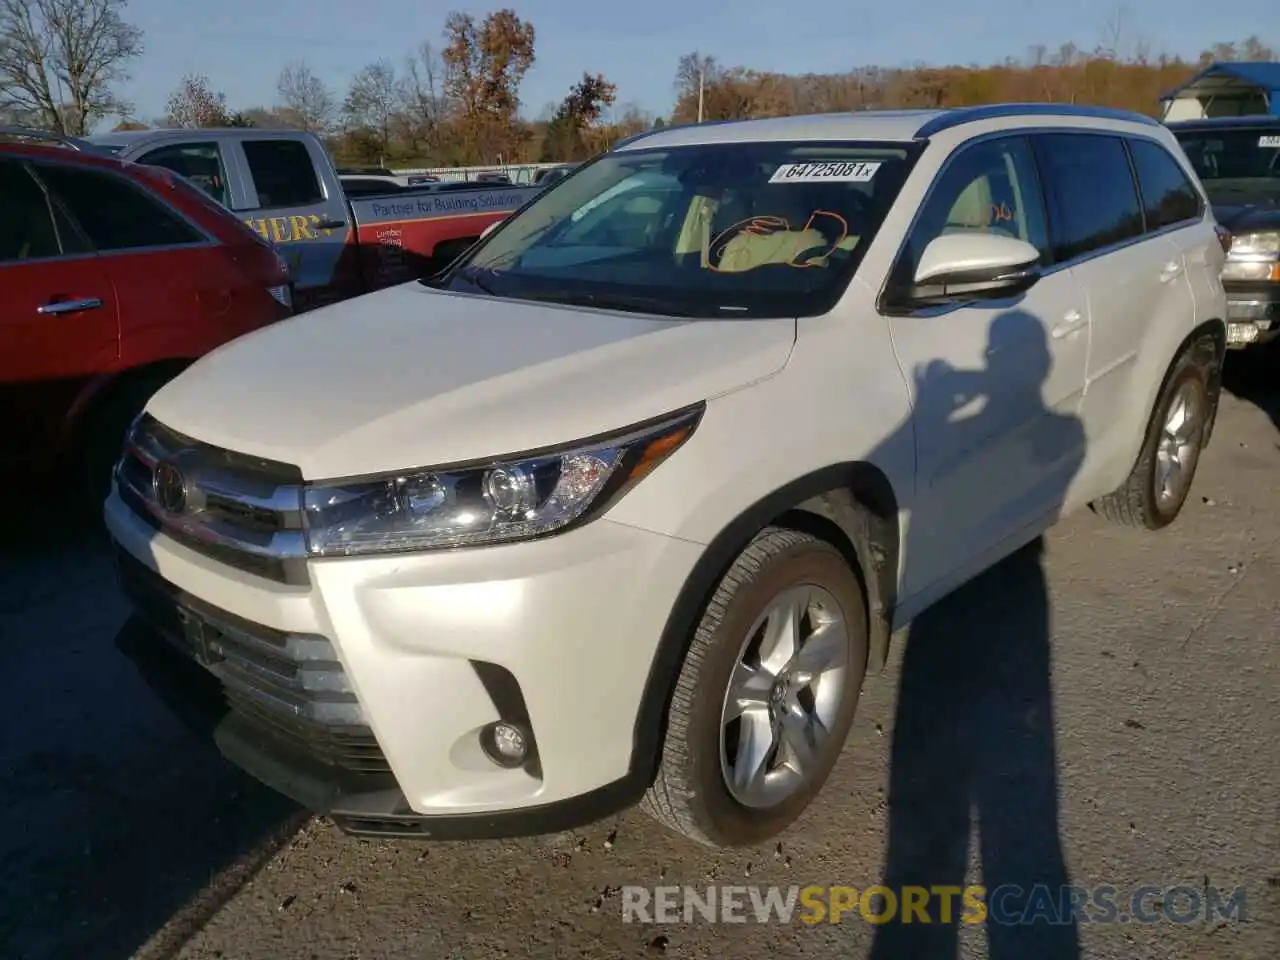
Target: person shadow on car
{"points": [[973, 740]]}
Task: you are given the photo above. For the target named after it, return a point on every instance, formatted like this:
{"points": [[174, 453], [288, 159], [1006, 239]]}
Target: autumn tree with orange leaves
{"points": [[1107, 75], [569, 134], [483, 66]]}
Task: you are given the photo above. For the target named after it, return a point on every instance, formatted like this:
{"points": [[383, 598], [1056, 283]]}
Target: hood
{"points": [[412, 376], [1260, 214]]}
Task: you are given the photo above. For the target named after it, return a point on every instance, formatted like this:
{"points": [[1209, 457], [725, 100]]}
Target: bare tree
{"points": [[422, 97], [1254, 49], [305, 98], [1114, 31], [196, 104], [60, 59], [371, 102]]}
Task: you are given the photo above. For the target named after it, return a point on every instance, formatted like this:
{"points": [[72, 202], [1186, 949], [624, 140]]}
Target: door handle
{"points": [[1072, 321], [330, 224], [69, 306], [1171, 270]]}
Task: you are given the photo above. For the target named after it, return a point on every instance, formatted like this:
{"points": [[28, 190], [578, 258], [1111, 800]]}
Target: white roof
{"points": [[896, 125], [883, 125]]}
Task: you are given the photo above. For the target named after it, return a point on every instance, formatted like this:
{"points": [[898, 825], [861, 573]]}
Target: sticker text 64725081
{"points": [[826, 171], [1269, 141]]}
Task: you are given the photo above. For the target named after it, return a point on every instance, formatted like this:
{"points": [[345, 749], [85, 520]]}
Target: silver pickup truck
{"points": [[284, 185]]}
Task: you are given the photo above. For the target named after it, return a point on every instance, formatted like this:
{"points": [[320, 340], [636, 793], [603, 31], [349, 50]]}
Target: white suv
{"points": [[624, 505]]}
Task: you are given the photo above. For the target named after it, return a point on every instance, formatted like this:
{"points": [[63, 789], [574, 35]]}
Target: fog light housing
{"points": [[506, 744], [1242, 333]]}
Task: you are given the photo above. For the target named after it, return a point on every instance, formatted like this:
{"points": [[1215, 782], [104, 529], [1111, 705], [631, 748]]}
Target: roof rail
{"points": [[43, 136], [995, 111], [672, 126]]}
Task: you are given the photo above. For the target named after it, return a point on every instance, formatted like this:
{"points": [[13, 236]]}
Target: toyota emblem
{"points": [[170, 488]]}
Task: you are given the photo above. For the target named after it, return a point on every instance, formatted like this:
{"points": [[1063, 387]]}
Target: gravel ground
{"points": [[1107, 713]]}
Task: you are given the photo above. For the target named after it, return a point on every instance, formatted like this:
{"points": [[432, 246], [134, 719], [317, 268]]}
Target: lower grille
{"points": [[351, 748], [288, 688]]}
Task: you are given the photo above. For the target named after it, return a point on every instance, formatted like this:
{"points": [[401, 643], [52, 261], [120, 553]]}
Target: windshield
{"points": [[1236, 161], [772, 229]]}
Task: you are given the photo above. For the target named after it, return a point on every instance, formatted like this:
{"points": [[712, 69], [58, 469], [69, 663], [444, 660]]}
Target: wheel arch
{"points": [[851, 505], [101, 388], [1216, 330]]}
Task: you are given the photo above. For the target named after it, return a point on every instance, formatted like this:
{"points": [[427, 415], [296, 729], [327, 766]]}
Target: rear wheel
{"points": [[766, 694], [1157, 487]]}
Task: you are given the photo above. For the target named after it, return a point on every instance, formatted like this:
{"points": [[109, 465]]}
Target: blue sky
{"points": [[242, 44]]}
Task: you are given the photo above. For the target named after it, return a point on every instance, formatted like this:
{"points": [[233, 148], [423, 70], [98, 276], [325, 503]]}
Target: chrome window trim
{"points": [[71, 257]]}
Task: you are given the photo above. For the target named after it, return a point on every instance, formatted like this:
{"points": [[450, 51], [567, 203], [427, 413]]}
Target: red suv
{"points": [[113, 278]]}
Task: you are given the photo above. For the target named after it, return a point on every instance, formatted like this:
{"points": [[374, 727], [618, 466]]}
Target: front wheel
{"points": [[766, 694]]}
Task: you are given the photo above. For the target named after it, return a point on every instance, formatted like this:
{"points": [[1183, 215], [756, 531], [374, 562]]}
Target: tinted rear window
{"points": [[26, 222], [283, 173], [115, 213], [1093, 201], [1168, 196]]}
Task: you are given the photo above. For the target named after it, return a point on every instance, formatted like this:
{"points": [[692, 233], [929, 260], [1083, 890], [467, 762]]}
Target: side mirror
{"points": [[973, 266], [489, 229]]}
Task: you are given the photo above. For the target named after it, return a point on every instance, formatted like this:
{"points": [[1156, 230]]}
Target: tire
{"points": [[1144, 499], [692, 793], [103, 431]]}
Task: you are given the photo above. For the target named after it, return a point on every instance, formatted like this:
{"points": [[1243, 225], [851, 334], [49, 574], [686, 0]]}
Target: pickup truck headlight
{"points": [[1261, 244], [512, 498]]}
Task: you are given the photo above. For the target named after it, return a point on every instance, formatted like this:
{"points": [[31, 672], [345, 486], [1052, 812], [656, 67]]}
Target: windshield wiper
{"points": [[472, 276]]}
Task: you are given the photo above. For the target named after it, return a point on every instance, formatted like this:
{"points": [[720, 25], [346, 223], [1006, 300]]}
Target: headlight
{"points": [[512, 498], [1256, 244]]}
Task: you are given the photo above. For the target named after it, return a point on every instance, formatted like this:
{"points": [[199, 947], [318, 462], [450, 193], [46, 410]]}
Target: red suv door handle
{"points": [[69, 306]]}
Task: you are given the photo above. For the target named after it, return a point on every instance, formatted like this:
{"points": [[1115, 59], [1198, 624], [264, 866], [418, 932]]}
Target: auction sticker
{"points": [[825, 171], [1272, 141]]}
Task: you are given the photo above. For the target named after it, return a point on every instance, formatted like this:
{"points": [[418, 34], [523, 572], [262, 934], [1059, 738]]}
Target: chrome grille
{"points": [[243, 511]]}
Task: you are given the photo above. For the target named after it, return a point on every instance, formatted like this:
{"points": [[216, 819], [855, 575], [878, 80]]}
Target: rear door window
{"points": [[200, 163], [1168, 196], [27, 229], [115, 213], [1093, 201], [283, 173]]}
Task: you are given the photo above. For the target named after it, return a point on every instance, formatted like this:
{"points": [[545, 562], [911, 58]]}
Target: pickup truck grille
{"points": [[289, 689], [243, 511]]}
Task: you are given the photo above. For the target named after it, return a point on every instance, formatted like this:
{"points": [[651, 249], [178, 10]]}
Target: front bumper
{"points": [[1253, 313], [363, 694]]}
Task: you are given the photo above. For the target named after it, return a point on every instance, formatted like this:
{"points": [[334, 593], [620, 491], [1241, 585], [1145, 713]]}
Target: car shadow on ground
{"points": [[114, 820], [1253, 374]]}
